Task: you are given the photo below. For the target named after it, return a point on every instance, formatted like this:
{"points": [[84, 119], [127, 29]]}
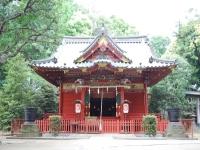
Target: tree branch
{"points": [[6, 55], [17, 15]]}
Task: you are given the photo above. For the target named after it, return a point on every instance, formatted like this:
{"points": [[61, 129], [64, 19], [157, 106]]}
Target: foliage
{"points": [[45, 100], [188, 46], [14, 91], [35, 27], [32, 27], [149, 124], [84, 24], [22, 88], [116, 26], [80, 24], [55, 122], [2, 75], [159, 44], [170, 92]]}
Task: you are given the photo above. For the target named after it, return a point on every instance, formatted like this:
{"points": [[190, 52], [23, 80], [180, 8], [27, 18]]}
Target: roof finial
{"points": [[103, 30]]}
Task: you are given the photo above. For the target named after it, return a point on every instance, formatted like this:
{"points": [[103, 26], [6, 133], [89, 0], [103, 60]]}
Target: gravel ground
{"points": [[99, 142]]}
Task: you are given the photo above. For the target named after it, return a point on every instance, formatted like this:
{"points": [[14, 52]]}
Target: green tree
{"points": [[14, 94], [46, 100], [159, 44], [116, 26], [2, 75], [83, 23], [32, 27], [21, 89], [80, 24], [188, 46], [170, 92]]}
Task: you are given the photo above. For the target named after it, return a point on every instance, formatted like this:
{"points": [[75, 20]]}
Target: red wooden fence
{"points": [[95, 126]]}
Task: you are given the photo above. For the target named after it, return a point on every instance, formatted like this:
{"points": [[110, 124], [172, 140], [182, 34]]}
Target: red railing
{"points": [[106, 126], [162, 125], [95, 126]]}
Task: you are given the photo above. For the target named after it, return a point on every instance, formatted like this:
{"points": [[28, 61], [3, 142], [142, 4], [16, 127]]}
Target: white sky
{"points": [[150, 17]]}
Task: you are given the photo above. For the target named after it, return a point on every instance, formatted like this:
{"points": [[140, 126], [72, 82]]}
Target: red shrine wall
{"points": [[137, 106], [68, 105], [137, 103]]}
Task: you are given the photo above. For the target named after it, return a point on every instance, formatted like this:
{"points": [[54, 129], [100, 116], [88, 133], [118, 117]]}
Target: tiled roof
{"points": [[136, 49]]}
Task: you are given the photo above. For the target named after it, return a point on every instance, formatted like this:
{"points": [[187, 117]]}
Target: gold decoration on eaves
{"points": [[73, 86], [66, 71], [102, 41], [120, 69], [102, 65], [84, 69]]}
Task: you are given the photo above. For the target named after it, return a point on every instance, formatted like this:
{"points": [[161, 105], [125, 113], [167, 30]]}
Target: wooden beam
{"points": [[122, 102], [83, 91], [145, 99], [61, 99]]}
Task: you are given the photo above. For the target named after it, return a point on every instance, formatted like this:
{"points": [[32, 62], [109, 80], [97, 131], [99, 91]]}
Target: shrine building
{"points": [[102, 77]]}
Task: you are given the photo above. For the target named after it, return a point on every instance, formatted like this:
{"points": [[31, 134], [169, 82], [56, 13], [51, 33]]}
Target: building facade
{"points": [[103, 77]]}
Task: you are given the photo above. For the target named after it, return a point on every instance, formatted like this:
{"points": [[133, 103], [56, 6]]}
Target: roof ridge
{"points": [[42, 61], [114, 43], [115, 37], [78, 37], [130, 37], [152, 59]]}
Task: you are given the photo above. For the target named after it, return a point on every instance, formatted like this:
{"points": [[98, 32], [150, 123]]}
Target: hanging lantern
{"points": [[125, 107], [77, 107], [107, 89], [98, 90]]}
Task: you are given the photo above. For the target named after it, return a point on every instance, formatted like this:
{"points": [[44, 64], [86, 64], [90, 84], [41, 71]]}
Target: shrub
{"points": [[149, 124], [54, 126]]}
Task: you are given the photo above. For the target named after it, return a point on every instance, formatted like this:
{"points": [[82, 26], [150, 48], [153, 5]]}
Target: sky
{"points": [[150, 17]]}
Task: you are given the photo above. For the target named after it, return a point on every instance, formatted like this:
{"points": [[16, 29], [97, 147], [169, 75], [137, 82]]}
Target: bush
{"points": [[149, 124], [54, 126]]}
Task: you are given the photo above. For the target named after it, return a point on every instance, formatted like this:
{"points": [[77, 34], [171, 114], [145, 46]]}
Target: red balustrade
{"points": [[95, 126], [105, 126]]}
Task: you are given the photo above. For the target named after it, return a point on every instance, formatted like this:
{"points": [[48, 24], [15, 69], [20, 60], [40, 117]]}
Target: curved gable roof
{"points": [[135, 49]]}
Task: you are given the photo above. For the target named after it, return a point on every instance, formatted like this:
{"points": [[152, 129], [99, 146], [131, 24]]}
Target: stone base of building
{"points": [[176, 130], [30, 130]]}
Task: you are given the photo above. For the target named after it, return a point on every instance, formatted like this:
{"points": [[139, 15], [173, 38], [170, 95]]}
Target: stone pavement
{"points": [[99, 142]]}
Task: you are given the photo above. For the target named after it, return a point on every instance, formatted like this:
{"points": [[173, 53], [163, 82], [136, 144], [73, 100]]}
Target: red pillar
{"points": [[145, 99], [61, 99], [82, 115], [122, 101]]}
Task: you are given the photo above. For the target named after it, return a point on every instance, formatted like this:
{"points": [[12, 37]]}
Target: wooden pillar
{"points": [[145, 99], [61, 99], [82, 115], [122, 101]]}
